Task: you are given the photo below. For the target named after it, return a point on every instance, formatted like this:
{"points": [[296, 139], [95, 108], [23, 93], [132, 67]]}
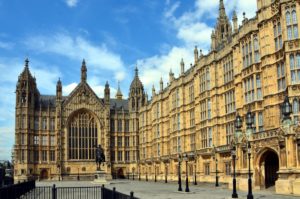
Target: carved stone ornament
{"points": [[275, 6]]}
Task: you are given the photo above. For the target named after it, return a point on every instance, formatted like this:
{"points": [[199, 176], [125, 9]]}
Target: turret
{"points": [[223, 29], [171, 76], [161, 83], [235, 22], [182, 66], [26, 90], [58, 90], [153, 91], [119, 94], [106, 93], [196, 55], [213, 41], [83, 71], [136, 94]]}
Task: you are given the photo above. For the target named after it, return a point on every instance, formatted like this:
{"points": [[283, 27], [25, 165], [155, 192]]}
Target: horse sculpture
{"points": [[100, 157]]}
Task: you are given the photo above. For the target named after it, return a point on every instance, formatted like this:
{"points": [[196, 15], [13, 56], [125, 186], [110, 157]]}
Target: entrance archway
{"points": [[120, 173], [268, 168], [271, 168], [44, 174]]}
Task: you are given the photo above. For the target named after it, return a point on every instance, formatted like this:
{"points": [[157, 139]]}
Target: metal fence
{"points": [[113, 194], [28, 190], [16, 190]]}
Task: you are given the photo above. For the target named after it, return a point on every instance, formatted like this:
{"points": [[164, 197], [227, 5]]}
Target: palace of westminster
{"points": [[250, 67]]}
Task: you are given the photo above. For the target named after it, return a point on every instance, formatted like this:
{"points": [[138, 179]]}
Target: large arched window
{"points": [[82, 138]]}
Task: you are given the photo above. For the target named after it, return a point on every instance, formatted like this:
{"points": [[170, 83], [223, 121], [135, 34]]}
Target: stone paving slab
{"points": [[161, 190]]}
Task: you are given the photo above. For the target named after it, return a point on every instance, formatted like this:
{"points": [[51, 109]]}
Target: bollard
{"points": [[102, 191], [53, 192], [114, 193], [131, 195]]}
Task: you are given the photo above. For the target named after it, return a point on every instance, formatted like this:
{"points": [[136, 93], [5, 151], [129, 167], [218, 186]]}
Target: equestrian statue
{"points": [[100, 157]]}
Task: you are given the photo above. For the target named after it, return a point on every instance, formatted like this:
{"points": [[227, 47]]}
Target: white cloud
{"points": [[72, 3], [98, 57], [152, 68], [192, 28], [6, 45]]}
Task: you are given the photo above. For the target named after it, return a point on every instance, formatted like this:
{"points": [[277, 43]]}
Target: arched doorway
{"points": [[271, 168], [266, 175], [120, 173], [44, 174]]}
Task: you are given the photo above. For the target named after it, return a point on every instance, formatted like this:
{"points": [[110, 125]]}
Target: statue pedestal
{"points": [[100, 178]]}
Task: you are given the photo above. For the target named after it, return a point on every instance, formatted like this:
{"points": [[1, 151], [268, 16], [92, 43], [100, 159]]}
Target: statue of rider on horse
{"points": [[100, 157]]}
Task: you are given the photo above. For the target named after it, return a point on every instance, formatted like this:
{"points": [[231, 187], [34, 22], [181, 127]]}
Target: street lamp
{"points": [[249, 123], [154, 173], [250, 195], [139, 173], [187, 175], [166, 174], [78, 174], [195, 172], [132, 174], [234, 193], [179, 174], [286, 109], [217, 178]]}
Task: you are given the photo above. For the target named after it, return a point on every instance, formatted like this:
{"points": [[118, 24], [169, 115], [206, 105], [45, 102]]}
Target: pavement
{"points": [[161, 190]]}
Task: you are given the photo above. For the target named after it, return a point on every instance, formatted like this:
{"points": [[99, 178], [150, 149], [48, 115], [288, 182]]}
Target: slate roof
{"points": [[118, 104], [49, 100]]}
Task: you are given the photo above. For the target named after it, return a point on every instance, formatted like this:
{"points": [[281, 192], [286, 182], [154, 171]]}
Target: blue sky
{"points": [[112, 35]]}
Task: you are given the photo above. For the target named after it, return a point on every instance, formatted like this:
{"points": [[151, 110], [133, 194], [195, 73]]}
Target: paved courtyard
{"points": [[160, 190]]}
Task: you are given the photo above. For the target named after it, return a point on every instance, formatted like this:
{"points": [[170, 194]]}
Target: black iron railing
{"points": [[113, 194], [16, 190]]}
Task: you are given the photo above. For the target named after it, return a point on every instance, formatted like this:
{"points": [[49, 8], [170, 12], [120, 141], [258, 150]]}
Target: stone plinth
{"points": [[100, 178]]}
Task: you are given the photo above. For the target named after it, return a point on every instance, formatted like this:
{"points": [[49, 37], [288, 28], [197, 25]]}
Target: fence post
{"points": [[102, 191], [131, 195], [53, 192], [114, 193]]}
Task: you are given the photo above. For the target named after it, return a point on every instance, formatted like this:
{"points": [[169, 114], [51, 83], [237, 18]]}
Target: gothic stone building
{"points": [[253, 67]]}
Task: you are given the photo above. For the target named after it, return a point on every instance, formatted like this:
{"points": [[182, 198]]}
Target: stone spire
{"points": [[119, 94], [196, 55], [58, 89], [182, 66], [161, 83], [107, 93], [235, 22], [83, 71], [222, 12], [223, 29], [153, 90], [171, 75]]}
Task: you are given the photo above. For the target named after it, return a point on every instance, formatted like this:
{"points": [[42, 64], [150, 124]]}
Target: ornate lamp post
{"points": [[249, 123], [132, 174], [286, 109], [179, 174], [217, 178], [238, 123], [234, 193], [250, 195], [195, 172], [78, 174], [166, 173], [186, 173], [154, 173]]}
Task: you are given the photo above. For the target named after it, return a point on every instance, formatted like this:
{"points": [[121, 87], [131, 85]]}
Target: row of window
{"points": [[120, 141], [45, 123], [37, 156], [120, 156], [121, 124]]}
